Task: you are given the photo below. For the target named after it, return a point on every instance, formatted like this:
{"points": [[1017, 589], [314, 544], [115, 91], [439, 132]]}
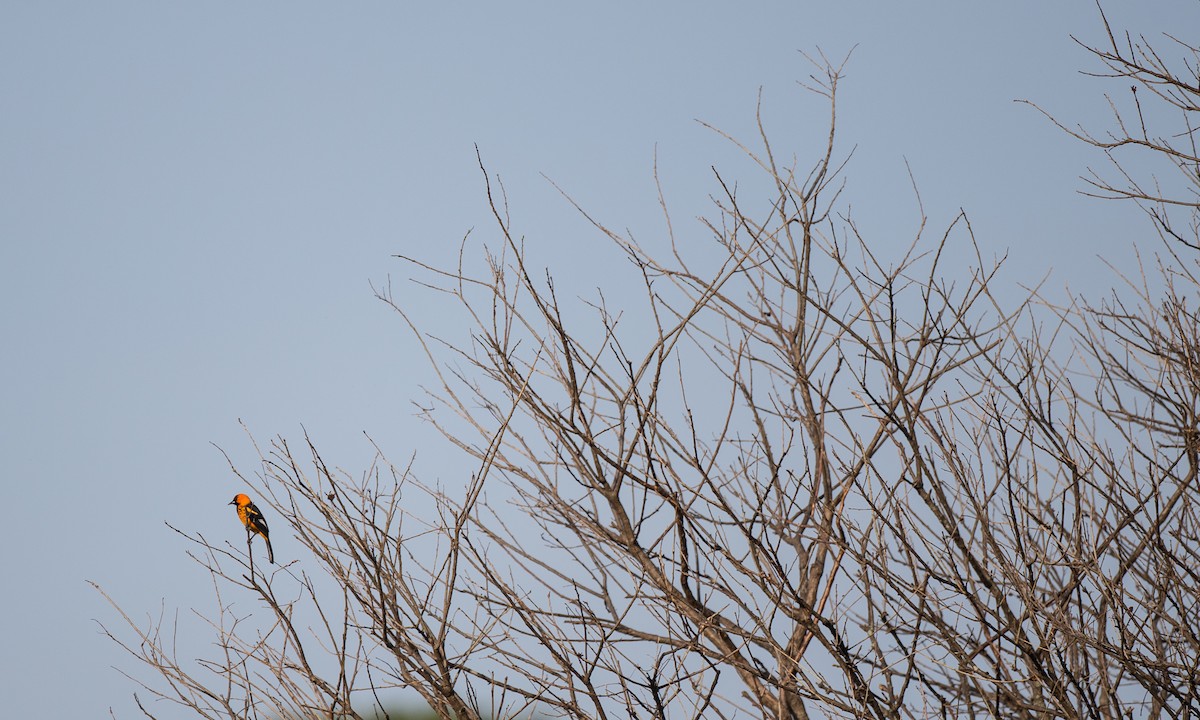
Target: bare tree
{"points": [[807, 478]]}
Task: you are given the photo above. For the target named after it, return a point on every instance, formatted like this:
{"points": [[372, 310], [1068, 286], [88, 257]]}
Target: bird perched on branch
{"points": [[254, 521]]}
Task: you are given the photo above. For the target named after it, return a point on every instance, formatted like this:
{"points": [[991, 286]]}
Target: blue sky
{"points": [[195, 198]]}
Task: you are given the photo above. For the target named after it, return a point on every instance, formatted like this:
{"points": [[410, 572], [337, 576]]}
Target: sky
{"points": [[196, 198]]}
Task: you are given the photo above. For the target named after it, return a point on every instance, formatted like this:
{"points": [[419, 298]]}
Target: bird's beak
{"points": [[233, 502]]}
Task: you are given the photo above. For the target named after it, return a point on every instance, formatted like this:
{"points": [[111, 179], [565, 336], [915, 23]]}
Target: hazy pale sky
{"points": [[195, 198]]}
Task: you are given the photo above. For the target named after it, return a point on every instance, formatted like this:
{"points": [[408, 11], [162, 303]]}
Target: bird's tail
{"points": [[270, 552]]}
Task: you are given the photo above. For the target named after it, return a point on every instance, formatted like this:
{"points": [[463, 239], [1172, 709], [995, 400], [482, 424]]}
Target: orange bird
{"points": [[254, 521]]}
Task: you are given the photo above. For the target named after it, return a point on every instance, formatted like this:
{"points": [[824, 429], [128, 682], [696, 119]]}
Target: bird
{"points": [[254, 521]]}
